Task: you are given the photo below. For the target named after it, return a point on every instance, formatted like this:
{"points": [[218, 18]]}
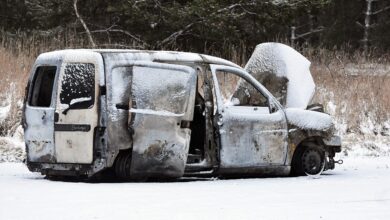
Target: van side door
{"points": [[150, 106], [252, 133]]}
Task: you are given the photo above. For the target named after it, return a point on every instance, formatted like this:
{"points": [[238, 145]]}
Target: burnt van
{"points": [[158, 114]]}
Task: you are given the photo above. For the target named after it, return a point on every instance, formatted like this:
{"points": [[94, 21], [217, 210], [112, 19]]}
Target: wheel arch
{"points": [[307, 143], [300, 138]]}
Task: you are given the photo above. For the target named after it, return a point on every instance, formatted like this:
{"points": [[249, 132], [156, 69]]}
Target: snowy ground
{"points": [[358, 189]]}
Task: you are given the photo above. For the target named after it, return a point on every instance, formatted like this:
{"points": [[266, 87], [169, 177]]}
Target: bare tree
{"points": [[312, 29], [368, 25], [91, 41]]}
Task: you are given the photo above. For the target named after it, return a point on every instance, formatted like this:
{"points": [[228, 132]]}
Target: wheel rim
{"points": [[313, 162]]}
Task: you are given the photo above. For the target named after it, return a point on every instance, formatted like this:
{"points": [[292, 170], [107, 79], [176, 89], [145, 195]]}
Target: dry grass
{"points": [[14, 74], [359, 86], [17, 55]]}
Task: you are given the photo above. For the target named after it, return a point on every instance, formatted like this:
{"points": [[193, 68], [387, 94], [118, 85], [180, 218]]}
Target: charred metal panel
{"points": [[211, 148], [296, 136], [250, 136], [332, 141], [39, 134], [39, 121], [118, 76], [119, 91], [160, 146], [255, 171], [119, 80], [163, 97], [151, 116]]}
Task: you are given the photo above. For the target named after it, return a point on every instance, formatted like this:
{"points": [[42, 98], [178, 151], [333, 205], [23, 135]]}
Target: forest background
{"points": [[347, 41]]}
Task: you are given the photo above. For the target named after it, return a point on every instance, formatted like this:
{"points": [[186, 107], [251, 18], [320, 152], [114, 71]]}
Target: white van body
{"points": [[158, 114]]}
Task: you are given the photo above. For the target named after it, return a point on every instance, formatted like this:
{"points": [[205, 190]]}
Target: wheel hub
{"points": [[313, 162]]}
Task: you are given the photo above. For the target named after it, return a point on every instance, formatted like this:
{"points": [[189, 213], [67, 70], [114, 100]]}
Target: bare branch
{"points": [[83, 23], [176, 34], [381, 10], [113, 29], [319, 29], [121, 46]]}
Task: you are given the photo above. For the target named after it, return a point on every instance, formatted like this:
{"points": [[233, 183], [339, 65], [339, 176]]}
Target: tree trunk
{"points": [[83, 23]]}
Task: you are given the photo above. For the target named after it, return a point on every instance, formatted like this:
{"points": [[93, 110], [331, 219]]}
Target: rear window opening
{"points": [[78, 86], [42, 86]]}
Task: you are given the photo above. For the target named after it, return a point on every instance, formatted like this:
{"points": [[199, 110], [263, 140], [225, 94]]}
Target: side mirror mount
{"points": [[272, 106]]}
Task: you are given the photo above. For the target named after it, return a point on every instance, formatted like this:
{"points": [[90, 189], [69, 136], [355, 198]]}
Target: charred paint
{"points": [[151, 120]]}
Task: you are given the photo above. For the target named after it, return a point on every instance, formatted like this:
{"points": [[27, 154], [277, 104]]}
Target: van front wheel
{"points": [[313, 161], [309, 161]]}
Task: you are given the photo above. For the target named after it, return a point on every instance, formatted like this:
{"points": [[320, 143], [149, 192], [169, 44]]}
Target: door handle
{"points": [[56, 116]]}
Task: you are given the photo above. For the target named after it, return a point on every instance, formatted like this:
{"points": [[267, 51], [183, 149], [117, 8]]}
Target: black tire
{"points": [[308, 161], [122, 165]]}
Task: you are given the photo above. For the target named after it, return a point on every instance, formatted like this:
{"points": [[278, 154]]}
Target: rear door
{"points": [[39, 113], [252, 129], [77, 108]]}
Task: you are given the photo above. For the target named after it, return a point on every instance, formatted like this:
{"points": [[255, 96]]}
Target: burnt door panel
{"points": [[252, 134], [119, 90], [252, 137], [162, 97], [39, 115]]}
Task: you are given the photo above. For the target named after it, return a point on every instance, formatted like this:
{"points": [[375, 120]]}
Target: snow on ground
{"points": [[358, 189], [365, 145], [12, 148], [4, 110]]}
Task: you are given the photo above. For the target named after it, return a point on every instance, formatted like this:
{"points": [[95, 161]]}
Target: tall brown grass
{"points": [[14, 70], [357, 84]]}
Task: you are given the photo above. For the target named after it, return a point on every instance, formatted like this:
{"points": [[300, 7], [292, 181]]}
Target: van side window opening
{"points": [[78, 86], [157, 89], [42, 86], [245, 95]]}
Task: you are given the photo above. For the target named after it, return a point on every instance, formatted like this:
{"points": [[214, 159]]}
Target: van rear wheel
{"points": [[122, 165]]}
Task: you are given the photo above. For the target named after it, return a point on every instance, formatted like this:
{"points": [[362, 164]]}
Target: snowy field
{"points": [[358, 189]]}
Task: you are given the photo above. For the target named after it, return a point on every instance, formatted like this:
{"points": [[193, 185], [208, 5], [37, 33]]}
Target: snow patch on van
{"points": [[283, 62], [310, 120]]}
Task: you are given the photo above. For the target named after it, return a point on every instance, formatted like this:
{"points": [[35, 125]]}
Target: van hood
{"points": [[309, 120]]}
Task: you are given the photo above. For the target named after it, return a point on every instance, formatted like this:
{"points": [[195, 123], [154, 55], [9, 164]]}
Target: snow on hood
{"points": [[283, 62], [306, 119]]}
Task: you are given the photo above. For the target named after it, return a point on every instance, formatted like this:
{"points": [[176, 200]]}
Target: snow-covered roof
{"points": [[162, 56]]}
